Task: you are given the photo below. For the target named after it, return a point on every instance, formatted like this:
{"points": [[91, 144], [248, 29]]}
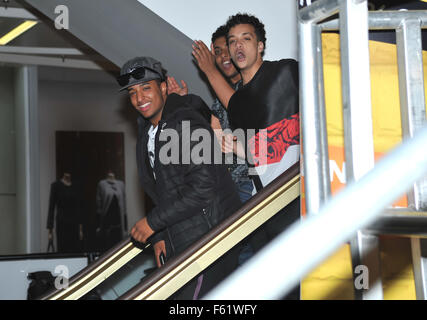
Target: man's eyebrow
{"points": [[243, 34], [140, 85]]}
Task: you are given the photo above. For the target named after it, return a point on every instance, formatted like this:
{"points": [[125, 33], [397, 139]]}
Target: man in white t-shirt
{"points": [[190, 196]]}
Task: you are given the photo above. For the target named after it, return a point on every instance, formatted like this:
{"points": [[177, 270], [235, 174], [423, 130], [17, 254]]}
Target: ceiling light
{"points": [[17, 31]]}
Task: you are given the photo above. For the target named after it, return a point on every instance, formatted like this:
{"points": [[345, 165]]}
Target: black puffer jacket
{"points": [[189, 198]]}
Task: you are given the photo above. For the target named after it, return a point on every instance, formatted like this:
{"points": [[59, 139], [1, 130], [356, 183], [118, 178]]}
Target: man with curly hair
{"points": [[265, 106], [268, 101]]}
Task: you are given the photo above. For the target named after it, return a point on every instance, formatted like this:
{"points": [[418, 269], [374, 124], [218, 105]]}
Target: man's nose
{"points": [[139, 96]]}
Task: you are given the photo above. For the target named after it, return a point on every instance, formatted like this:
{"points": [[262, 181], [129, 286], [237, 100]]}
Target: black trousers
{"points": [[276, 225], [67, 237], [272, 228], [199, 286], [214, 274]]}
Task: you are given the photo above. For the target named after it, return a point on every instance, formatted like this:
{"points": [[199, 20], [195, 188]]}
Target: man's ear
{"points": [[164, 88], [260, 46]]}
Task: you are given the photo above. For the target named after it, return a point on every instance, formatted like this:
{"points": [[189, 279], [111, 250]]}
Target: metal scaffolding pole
{"points": [[313, 118], [407, 25], [273, 277], [384, 20], [358, 133], [413, 115]]}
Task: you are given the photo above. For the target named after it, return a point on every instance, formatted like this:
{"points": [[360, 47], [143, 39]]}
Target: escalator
{"points": [[116, 42], [165, 281]]}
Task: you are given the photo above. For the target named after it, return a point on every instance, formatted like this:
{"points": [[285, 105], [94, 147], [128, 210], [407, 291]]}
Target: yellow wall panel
{"points": [[333, 278]]}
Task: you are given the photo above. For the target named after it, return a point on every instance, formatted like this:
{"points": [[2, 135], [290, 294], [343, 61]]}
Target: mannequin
{"points": [[111, 211], [111, 176], [65, 202], [66, 179]]}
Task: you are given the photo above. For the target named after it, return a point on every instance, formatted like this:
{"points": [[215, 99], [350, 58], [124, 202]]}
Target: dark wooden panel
{"points": [[88, 156]]}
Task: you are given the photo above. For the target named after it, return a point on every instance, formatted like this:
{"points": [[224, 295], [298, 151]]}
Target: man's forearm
{"points": [[221, 87]]}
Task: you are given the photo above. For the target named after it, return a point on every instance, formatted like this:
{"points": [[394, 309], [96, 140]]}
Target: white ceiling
{"points": [[36, 46]]}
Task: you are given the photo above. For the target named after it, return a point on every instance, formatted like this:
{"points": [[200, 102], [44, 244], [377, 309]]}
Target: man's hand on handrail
{"points": [[141, 231]]}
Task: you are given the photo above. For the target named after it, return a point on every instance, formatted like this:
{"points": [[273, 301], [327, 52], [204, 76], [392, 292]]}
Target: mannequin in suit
{"points": [[65, 202], [111, 211]]}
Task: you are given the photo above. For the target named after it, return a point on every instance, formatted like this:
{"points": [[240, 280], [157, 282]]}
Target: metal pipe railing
{"points": [[319, 10], [384, 20], [413, 114], [402, 222], [358, 128], [312, 107], [307, 244], [353, 24]]}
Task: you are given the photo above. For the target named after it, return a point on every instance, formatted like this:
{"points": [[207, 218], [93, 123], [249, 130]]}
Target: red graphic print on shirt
{"points": [[270, 144]]}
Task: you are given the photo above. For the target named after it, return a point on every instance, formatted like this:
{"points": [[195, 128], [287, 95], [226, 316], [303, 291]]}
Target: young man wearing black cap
{"points": [[189, 198]]}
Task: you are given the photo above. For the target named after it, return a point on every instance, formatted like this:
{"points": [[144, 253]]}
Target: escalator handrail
{"points": [[261, 196], [92, 268]]}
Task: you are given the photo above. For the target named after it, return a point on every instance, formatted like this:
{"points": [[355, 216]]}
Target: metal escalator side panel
{"points": [[177, 272], [98, 271]]}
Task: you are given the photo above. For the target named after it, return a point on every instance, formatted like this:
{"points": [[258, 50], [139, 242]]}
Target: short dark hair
{"points": [[244, 18], [159, 82], [220, 32]]}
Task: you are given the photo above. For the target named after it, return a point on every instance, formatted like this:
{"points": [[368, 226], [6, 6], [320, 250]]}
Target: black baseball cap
{"points": [[139, 70]]}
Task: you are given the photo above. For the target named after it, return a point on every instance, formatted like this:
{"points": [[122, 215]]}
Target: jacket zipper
{"points": [[206, 218], [156, 145]]}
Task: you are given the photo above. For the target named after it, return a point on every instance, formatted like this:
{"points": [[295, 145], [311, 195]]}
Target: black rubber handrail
{"points": [[265, 193], [94, 267]]}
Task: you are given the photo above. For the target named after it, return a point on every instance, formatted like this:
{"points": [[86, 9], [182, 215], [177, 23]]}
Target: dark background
{"points": [[88, 156]]}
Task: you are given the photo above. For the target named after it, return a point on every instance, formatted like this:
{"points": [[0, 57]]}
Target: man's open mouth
{"points": [[227, 64], [240, 56]]}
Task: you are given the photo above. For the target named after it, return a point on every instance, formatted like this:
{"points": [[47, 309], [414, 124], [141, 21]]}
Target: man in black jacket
{"points": [[190, 192]]}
